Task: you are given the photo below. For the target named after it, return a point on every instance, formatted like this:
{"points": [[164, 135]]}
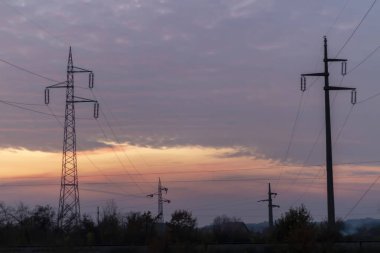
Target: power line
{"points": [[27, 109], [190, 172], [314, 81], [39, 26], [238, 179], [356, 28], [118, 159], [337, 17], [294, 127], [362, 197], [369, 98], [26, 70], [364, 60], [112, 193], [107, 177], [115, 137], [18, 105], [49, 79], [343, 125]]}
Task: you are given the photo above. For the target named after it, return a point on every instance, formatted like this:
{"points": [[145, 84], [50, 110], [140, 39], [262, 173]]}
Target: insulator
{"points": [[47, 96], [353, 97], [91, 80], [96, 110], [303, 83], [344, 68]]}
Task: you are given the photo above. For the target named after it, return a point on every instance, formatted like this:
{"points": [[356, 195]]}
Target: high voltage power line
{"points": [[356, 27], [19, 105], [344, 45], [14, 104], [355, 67]]}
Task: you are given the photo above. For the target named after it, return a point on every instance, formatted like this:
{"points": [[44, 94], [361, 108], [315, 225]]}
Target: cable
{"points": [[294, 127], [357, 27], [369, 98], [362, 197], [49, 79], [337, 17], [27, 109], [115, 137], [18, 105], [343, 126], [112, 192], [88, 158], [26, 70], [364, 60], [118, 158], [344, 45]]}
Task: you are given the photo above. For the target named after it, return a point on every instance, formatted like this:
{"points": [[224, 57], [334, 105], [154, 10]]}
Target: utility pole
{"points": [[69, 206], [97, 215], [329, 158], [161, 200], [270, 205]]}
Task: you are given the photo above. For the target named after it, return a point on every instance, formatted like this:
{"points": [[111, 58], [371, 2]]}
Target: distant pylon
{"points": [[270, 205], [161, 201], [69, 205]]}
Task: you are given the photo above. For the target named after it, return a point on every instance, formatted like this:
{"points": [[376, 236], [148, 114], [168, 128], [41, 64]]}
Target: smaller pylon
{"points": [[161, 201], [270, 205]]}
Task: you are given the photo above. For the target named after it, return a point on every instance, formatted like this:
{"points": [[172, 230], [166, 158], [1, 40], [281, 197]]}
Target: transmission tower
{"points": [[270, 205], [69, 206], [329, 157], [161, 200]]}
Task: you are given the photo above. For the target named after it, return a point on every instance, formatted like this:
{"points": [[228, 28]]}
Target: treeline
{"points": [[25, 226]]}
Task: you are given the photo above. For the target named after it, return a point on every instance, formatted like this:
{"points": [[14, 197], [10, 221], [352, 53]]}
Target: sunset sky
{"points": [[203, 94]]}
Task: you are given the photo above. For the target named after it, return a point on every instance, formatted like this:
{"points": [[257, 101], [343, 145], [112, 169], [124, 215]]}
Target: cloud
{"points": [[241, 152], [247, 8], [169, 74]]}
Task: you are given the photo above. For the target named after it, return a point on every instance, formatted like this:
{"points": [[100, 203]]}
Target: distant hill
{"points": [[257, 227], [352, 225]]}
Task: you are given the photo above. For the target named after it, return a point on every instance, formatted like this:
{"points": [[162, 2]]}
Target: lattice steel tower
{"points": [[161, 200], [69, 205]]}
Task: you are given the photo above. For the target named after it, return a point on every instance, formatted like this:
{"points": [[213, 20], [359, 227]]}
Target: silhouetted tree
{"points": [[110, 230], [140, 227], [296, 227], [87, 230], [42, 223], [230, 229], [328, 233], [182, 226]]}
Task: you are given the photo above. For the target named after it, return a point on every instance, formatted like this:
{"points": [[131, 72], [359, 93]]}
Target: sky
{"points": [[203, 94]]}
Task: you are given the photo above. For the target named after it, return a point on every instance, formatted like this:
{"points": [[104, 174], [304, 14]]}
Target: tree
{"points": [[182, 226], [296, 227], [328, 233], [140, 227], [110, 226], [230, 229], [87, 230], [42, 220]]}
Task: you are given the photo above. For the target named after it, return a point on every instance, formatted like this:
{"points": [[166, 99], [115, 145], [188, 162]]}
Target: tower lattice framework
{"points": [[161, 200], [69, 204]]}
